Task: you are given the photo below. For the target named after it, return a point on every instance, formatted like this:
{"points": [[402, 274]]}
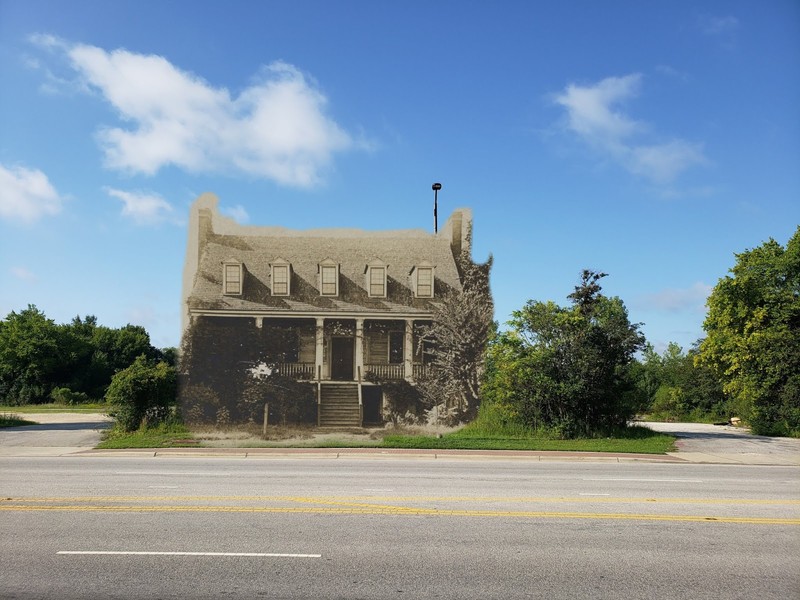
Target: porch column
{"points": [[259, 322], [360, 348], [408, 351], [320, 341]]}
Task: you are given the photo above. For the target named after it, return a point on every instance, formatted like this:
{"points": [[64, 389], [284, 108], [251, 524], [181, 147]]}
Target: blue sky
{"points": [[648, 140]]}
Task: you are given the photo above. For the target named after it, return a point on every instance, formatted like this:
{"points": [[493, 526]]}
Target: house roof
{"points": [[352, 250]]}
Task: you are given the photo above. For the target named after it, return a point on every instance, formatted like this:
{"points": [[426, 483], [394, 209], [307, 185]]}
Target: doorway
{"points": [[342, 358]]}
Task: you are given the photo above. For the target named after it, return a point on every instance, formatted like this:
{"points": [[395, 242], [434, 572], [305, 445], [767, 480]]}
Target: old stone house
{"points": [[357, 299]]}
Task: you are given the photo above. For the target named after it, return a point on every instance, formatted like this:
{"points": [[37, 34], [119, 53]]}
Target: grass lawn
{"points": [[91, 407], [655, 444], [12, 420], [164, 436], [635, 440]]}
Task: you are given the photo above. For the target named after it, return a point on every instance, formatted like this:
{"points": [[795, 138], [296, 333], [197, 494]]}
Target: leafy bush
{"points": [[64, 395], [567, 370], [668, 402], [142, 393], [289, 401], [200, 405]]}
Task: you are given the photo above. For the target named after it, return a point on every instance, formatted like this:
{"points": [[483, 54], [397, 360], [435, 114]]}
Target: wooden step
{"points": [[339, 406]]}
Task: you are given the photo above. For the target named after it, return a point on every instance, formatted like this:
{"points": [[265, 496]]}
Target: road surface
{"points": [[89, 527]]}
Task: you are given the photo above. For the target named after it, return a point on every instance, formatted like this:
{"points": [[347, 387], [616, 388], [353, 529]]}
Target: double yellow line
{"points": [[370, 506]]}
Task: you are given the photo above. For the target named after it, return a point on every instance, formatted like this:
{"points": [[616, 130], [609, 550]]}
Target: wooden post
{"points": [[266, 418]]}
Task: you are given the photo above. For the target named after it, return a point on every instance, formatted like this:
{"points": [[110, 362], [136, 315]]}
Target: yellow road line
{"points": [[369, 499], [404, 511]]}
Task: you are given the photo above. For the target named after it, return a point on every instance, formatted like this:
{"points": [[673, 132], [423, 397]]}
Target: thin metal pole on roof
{"points": [[436, 187]]}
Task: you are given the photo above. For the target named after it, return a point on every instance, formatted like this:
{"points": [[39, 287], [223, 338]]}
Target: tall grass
{"points": [[12, 420]]}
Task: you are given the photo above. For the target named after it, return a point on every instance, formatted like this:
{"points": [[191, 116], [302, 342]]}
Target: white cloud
{"points": [[237, 213], [276, 128], [590, 109], [664, 162], [26, 194], [711, 25], [142, 207], [594, 114], [24, 274], [692, 298]]}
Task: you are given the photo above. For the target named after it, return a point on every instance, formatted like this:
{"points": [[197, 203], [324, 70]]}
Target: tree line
{"points": [[42, 361], [585, 369]]}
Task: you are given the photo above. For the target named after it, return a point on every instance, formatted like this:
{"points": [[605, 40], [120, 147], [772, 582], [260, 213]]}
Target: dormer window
{"points": [[281, 276], [422, 280], [328, 278], [232, 277], [376, 279]]}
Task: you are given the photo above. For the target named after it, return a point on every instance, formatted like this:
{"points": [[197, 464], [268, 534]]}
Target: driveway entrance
{"points": [[699, 442], [55, 434]]}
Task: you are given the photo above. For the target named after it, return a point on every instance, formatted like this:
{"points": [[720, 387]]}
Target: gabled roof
{"points": [[352, 250]]}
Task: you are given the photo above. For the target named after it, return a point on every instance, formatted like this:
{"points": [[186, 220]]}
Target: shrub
{"points": [[200, 405], [142, 393], [64, 395], [289, 401]]}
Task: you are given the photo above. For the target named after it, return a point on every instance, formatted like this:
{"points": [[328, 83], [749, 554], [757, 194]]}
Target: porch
{"points": [[357, 350]]}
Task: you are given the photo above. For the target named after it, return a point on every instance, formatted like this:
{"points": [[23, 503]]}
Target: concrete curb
{"points": [[383, 453]]}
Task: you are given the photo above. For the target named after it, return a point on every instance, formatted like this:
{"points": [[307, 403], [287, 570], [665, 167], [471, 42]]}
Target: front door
{"points": [[342, 358]]}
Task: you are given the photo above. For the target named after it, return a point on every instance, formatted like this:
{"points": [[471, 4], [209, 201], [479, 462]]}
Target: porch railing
{"points": [[420, 370], [385, 371], [300, 370]]}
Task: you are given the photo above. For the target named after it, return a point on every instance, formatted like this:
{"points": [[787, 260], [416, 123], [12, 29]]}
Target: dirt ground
{"points": [[252, 436]]}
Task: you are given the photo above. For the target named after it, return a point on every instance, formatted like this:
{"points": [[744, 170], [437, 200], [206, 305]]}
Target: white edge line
{"points": [[644, 480], [146, 553]]}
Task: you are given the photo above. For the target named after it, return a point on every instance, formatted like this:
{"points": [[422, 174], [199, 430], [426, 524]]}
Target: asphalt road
{"points": [[55, 434], [371, 527], [723, 444]]}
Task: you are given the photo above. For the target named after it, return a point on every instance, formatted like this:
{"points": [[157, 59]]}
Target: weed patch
{"points": [[90, 407], [12, 420]]}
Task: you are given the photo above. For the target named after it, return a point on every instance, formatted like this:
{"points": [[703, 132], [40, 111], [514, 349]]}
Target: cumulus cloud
{"points": [[143, 208], [276, 128], [27, 195], [692, 298], [595, 114]]}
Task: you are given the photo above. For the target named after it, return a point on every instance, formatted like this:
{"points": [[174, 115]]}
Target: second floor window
{"points": [[232, 279], [377, 282], [280, 279], [329, 280], [424, 282]]}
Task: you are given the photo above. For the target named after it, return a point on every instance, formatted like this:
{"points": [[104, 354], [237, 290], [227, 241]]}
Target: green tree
{"points": [[567, 369], [143, 392], [30, 357], [673, 386], [455, 342], [753, 336], [74, 361]]}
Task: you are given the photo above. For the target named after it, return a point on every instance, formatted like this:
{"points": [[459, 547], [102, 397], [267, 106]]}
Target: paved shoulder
{"points": [[54, 434], [698, 442]]}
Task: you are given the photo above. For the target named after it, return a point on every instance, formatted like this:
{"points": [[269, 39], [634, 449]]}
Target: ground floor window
{"points": [[396, 339]]}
